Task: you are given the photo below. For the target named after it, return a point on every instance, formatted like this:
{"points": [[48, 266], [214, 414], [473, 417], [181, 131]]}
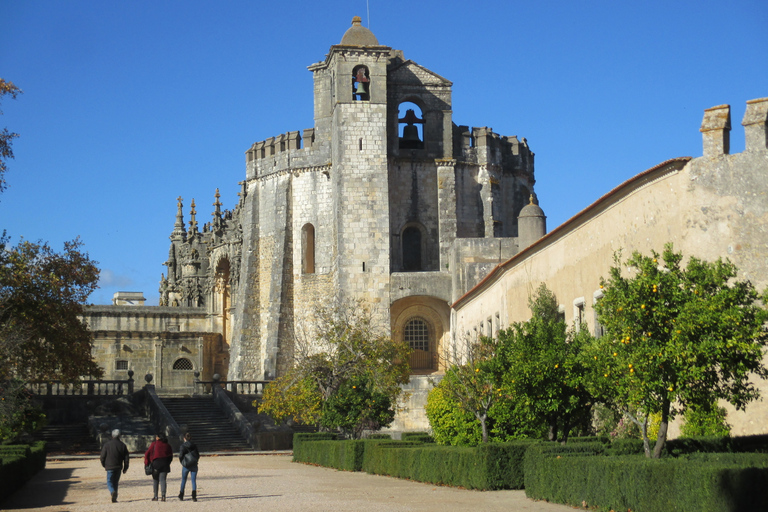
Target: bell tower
{"points": [[351, 119]]}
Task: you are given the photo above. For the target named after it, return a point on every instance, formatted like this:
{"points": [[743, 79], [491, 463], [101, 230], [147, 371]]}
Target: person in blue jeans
{"points": [[114, 458], [188, 456]]}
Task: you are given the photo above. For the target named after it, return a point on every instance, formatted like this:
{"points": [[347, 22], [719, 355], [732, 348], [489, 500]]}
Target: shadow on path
{"points": [[47, 488], [240, 497]]}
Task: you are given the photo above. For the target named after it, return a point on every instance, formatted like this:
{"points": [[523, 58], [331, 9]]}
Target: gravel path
{"points": [[254, 482]]}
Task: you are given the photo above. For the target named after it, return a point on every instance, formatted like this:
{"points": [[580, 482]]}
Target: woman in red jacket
{"points": [[159, 455]]}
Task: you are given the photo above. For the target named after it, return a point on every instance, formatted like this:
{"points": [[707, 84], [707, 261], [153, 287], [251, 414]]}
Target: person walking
{"points": [[188, 456], [114, 458], [159, 455]]}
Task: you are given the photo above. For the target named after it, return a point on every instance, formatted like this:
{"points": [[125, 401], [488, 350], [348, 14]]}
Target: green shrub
{"points": [[705, 421], [489, 466], [504, 464], [626, 447], [357, 406], [451, 424], [19, 463], [20, 415], [11, 474], [421, 437], [590, 439], [344, 455], [756, 444], [380, 436], [303, 439], [698, 482]]}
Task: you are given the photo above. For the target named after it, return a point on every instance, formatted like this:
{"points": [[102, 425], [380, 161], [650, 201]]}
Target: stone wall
{"points": [[713, 206]]}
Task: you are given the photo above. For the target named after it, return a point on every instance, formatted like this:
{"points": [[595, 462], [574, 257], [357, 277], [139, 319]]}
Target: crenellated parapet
{"points": [[284, 152], [482, 145], [716, 127]]}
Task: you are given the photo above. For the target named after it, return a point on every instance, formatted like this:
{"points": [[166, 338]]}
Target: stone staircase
{"points": [[210, 427], [70, 438]]}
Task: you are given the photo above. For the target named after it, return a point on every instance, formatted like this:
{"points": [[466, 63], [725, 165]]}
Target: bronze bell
{"points": [[360, 88], [411, 133]]}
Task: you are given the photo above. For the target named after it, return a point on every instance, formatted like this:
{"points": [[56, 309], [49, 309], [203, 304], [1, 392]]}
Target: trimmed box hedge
{"points": [[490, 466], [421, 437], [345, 455], [712, 482], [300, 442], [19, 463]]}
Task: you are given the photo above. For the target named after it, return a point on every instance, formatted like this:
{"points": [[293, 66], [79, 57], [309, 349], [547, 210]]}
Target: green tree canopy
{"points": [[545, 367], [42, 294], [677, 337], [525, 381]]}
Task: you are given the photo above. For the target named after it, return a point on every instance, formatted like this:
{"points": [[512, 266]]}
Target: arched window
{"points": [[411, 249], [416, 334], [410, 126], [182, 364], [361, 84], [308, 249]]}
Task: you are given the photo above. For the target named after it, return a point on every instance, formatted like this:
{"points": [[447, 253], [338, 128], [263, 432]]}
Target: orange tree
{"points": [[677, 337], [545, 367]]}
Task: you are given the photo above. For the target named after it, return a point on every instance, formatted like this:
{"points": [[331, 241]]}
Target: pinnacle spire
{"points": [[192, 221], [178, 229]]}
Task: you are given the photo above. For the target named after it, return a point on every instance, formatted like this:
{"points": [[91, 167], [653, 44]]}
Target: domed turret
{"points": [[531, 223], [358, 35]]}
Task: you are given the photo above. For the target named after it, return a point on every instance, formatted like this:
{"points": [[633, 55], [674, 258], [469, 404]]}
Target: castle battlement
{"points": [[716, 128], [283, 152], [273, 145], [481, 145]]}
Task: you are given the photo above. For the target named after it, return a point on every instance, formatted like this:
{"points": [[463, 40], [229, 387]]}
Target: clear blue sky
{"points": [[128, 105]]}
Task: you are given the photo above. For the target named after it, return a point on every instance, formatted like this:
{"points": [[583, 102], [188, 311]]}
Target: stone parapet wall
{"points": [[145, 318]]}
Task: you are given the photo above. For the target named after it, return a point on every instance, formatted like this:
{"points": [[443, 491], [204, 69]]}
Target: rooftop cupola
{"points": [[531, 223], [358, 35]]}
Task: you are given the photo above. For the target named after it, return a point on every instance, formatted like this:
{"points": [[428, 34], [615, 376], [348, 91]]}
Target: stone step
{"points": [[209, 426], [68, 438]]}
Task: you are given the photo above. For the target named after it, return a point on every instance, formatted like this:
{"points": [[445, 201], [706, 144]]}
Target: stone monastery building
{"points": [[388, 200]]}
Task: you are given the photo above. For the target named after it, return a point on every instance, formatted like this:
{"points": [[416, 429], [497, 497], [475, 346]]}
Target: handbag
{"points": [[190, 459], [148, 469]]}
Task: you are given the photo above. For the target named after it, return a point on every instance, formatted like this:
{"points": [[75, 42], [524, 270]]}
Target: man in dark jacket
{"points": [[114, 458]]}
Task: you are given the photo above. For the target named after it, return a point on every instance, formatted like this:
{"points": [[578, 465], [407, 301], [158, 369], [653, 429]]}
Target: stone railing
{"points": [[160, 417], [83, 387], [236, 387]]}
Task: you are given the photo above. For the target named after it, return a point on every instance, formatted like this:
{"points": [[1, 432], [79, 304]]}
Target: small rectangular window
{"points": [[599, 329], [121, 365], [579, 313]]}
